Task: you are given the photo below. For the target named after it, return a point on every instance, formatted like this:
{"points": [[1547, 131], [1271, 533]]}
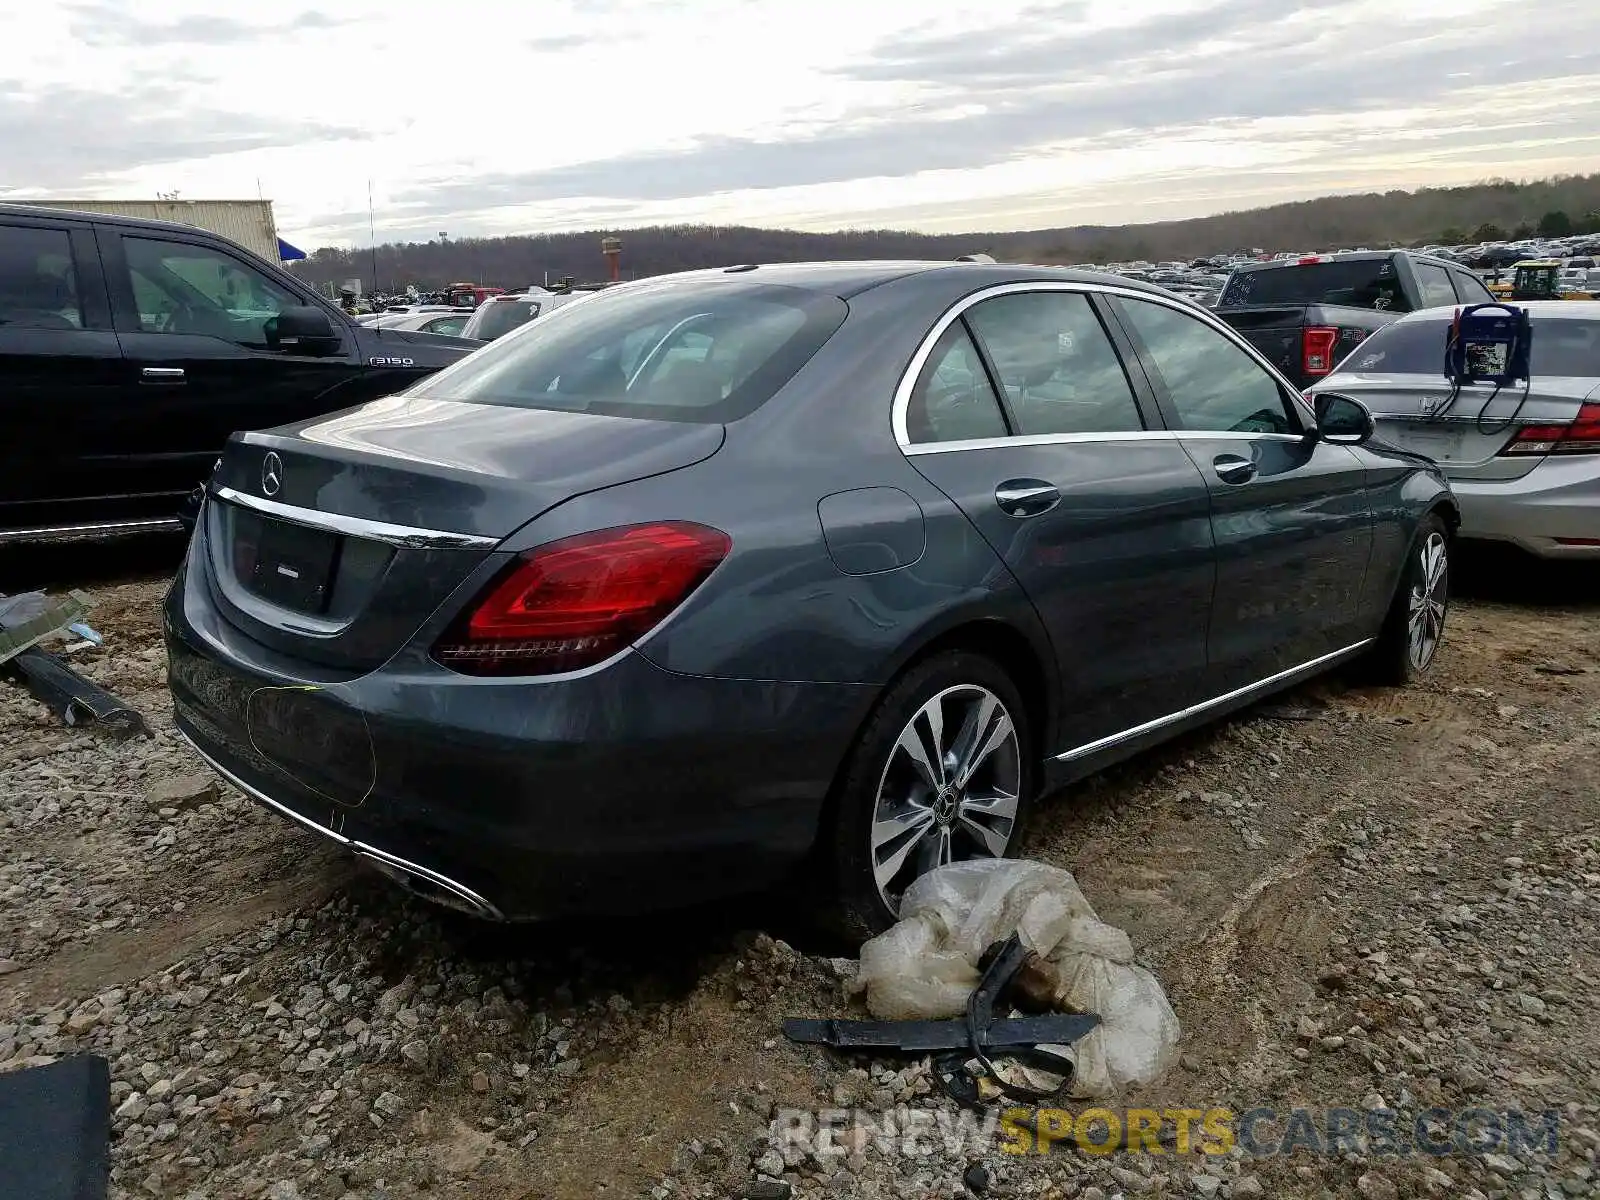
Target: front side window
{"points": [[183, 288], [1058, 367], [953, 400], [1471, 289], [1435, 284], [38, 284], [1214, 385], [702, 351]]}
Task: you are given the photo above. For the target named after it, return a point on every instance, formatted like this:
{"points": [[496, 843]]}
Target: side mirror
{"points": [[302, 330], [1342, 420]]}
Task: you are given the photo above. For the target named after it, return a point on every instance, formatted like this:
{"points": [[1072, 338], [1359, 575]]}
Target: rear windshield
{"points": [[701, 351], [502, 316], [1560, 347], [1355, 283]]}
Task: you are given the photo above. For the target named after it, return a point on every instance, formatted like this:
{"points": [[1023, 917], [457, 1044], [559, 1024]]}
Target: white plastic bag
{"points": [[927, 964]]}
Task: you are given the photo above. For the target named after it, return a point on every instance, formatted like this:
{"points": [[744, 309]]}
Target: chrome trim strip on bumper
{"points": [[460, 890], [1216, 701], [91, 529], [406, 536]]}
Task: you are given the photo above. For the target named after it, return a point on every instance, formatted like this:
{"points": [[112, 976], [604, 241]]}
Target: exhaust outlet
{"points": [[428, 885]]}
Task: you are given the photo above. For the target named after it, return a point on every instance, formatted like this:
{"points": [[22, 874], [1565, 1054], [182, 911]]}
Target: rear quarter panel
{"points": [[780, 607], [1402, 489]]}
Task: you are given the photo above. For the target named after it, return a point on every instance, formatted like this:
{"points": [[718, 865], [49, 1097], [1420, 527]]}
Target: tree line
{"points": [[1495, 210]]}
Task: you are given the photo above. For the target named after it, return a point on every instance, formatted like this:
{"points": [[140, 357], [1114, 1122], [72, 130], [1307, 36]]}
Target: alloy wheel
{"points": [[1429, 598], [949, 791]]}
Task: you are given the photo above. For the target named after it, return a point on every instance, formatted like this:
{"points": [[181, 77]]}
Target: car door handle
{"points": [[1231, 468], [161, 375], [1026, 497]]}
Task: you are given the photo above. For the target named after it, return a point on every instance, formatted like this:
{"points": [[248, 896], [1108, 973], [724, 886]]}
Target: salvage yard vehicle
{"points": [[1524, 461], [1305, 314], [827, 565], [131, 349]]}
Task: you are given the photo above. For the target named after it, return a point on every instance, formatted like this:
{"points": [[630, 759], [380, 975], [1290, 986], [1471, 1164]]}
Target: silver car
{"points": [[1524, 461]]}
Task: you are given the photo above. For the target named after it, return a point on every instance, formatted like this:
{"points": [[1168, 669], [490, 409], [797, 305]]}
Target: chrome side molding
{"points": [[1195, 710], [90, 530]]}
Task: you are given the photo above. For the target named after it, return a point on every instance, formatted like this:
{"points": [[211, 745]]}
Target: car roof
{"points": [[1543, 310], [846, 279], [1345, 256], [78, 214]]}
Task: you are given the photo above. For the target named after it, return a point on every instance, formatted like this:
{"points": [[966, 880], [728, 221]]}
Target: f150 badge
{"points": [[393, 362]]}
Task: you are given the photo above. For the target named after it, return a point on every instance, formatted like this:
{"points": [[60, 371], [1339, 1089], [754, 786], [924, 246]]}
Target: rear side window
{"points": [[702, 351], [1560, 347], [1354, 283], [1435, 284], [1058, 367], [953, 400], [38, 285]]}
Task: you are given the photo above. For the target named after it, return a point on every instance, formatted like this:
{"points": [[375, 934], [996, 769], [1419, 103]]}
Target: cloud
{"points": [[72, 137], [1008, 95], [106, 25]]}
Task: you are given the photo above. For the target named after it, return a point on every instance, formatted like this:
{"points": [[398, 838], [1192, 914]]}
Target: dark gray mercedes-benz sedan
{"points": [[842, 565]]}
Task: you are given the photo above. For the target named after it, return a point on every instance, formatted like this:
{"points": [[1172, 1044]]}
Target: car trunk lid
{"points": [[334, 540], [1465, 437]]}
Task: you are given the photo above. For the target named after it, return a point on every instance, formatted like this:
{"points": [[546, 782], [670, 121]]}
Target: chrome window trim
{"points": [[1067, 439], [908, 380], [406, 536], [1194, 710]]}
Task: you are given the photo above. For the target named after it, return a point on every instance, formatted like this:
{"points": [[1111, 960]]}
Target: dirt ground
{"points": [[1353, 897]]}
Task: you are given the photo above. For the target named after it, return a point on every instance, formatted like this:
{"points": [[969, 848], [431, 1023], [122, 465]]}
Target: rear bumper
{"points": [[1559, 498], [625, 789]]}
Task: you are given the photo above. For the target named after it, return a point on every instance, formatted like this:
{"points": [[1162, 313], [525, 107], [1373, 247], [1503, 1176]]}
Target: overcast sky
{"points": [[502, 117]]}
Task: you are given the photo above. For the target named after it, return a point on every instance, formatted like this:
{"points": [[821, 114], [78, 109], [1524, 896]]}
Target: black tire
{"points": [[857, 906], [1395, 659]]}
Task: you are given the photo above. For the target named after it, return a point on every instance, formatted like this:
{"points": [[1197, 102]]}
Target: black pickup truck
{"points": [[130, 350], [1305, 314]]}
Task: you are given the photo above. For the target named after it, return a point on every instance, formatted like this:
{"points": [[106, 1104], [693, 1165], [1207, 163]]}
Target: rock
{"points": [[1376, 1187], [7, 966], [284, 1189], [1530, 1005], [1206, 1185], [976, 1179], [183, 792], [480, 1082], [567, 1067], [766, 1189], [770, 1163], [389, 1105], [1092, 1193], [1247, 1187], [417, 1052], [1501, 1164], [1436, 1180]]}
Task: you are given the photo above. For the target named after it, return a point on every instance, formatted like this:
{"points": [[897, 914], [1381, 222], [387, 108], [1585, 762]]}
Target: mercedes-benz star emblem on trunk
{"points": [[271, 473]]}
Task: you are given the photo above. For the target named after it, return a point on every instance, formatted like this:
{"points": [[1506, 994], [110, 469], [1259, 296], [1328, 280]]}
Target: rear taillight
{"points": [[1316, 354], [1580, 437], [580, 600]]}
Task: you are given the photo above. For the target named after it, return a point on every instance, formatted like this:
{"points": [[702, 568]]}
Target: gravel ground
{"points": [[1355, 898]]}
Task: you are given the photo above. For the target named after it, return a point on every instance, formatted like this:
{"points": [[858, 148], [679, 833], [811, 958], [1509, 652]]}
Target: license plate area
{"points": [[288, 565], [1439, 442]]}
